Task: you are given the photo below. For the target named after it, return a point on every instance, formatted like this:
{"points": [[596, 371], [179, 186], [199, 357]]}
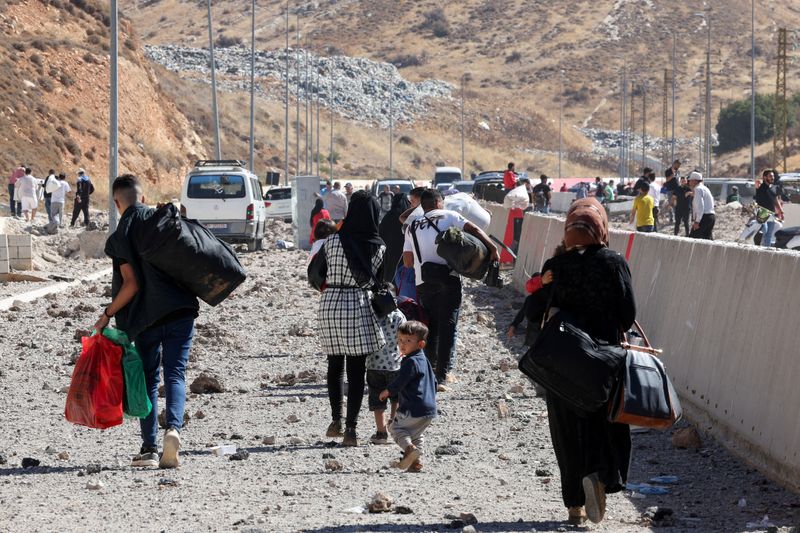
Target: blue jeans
{"points": [[769, 233], [166, 345], [47, 205], [543, 209]]}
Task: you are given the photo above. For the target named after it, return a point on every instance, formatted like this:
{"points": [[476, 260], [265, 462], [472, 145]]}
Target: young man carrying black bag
{"points": [[158, 314], [438, 288]]}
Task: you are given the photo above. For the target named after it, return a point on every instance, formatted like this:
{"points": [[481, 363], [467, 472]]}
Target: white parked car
{"points": [[278, 201], [226, 198]]}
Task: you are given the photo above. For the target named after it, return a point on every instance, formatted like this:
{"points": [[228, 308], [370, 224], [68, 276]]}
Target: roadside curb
{"points": [[6, 303]]}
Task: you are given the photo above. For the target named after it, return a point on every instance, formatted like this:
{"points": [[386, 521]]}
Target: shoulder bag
{"points": [[645, 396], [570, 364], [318, 270]]}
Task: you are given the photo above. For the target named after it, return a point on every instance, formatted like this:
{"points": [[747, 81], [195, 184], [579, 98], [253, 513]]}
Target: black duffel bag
{"points": [[189, 254], [573, 366]]}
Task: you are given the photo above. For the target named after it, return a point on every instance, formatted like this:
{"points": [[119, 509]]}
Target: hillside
{"points": [[54, 98], [514, 53]]}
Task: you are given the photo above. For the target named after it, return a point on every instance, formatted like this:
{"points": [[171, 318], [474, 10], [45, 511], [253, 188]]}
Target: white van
{"points": [[446, 175], [226, 198]]}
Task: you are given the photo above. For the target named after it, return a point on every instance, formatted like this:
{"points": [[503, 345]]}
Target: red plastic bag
{"points": [[95, 392]]}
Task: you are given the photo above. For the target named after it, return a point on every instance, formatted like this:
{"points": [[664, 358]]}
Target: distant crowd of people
{"points": [[26, 192]]}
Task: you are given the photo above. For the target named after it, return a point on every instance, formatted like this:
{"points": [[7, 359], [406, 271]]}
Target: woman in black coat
{"points": [[391, 231], [593, 284]]}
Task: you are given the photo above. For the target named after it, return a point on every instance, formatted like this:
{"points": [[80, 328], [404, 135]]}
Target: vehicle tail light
{"points": [[249, 213], [267, 204]]}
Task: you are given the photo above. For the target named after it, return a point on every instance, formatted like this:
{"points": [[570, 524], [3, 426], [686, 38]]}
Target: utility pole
{"points": [[297, 99], [253, 88], [644, 123], [753, 91], [214, 110], [391, 133], [113, 141], [632, 129], [330, 110], [674, 71], [701, 163], [779, 141], [286, 105], [664, 112], [708, 99], [319, 86], [624, 126], [560, 123], [307, 96], [463, 82]]}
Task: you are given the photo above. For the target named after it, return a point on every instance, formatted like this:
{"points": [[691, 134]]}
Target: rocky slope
{"points": [[54, 98]]}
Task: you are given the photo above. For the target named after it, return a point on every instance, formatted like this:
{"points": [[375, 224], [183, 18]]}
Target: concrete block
{"points": [[21, 264], [13, 252], [24, 252], [4, 253], [20, 240], [5, 267]]}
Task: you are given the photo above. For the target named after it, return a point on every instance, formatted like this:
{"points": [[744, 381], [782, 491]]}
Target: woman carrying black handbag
{"points": [[348, 327], [592, 284]]}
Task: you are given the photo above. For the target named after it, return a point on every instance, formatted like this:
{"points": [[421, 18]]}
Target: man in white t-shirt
{"points": [[438, 288], [27, 190], [58, 199]]}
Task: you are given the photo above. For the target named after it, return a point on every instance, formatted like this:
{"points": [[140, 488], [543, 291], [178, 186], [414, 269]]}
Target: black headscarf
{"points": [[317, 208], [359, 234], [391, 231]]}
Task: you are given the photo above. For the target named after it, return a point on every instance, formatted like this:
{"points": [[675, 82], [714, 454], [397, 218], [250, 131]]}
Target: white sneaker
{"points": [[172, 443]]}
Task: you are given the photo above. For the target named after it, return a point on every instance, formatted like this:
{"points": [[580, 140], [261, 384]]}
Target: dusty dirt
{"points": [[501, 470]]}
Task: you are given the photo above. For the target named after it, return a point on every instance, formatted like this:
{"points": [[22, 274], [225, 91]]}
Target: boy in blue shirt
{"points": [[415, 387]]}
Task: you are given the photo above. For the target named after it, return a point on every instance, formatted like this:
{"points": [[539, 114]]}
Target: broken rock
{"points": [[380, 503], [206, 384], [687, 438], [333, 465], [502, 409]]}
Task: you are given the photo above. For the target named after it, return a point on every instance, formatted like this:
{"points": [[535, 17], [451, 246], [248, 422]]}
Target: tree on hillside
{"points": [[733, 126]]}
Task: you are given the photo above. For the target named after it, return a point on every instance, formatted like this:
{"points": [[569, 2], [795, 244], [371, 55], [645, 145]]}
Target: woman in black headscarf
{"points": [[348, 330], [391, 231], [593, 284]]}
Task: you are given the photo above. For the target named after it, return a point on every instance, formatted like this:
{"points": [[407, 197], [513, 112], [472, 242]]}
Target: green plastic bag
{"points": [[135, 401]]}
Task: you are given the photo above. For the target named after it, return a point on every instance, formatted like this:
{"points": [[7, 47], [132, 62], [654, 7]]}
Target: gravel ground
{"points": [[262, 345]]}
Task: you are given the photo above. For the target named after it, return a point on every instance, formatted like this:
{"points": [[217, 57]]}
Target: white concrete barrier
{"points": [[716, 310], [497, 227], [560, 201]]}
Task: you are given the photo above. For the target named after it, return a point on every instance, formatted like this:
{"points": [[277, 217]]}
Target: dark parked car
{"points": [[489, 187]]}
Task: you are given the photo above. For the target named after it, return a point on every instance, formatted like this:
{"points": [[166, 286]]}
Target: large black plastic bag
{"points": [[573, 366], [190, 254], [464, 253]]}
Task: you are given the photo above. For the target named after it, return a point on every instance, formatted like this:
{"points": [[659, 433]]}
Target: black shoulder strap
{"points": [[413, 229]]}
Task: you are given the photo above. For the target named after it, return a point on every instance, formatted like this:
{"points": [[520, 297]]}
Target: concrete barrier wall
{"points": [[717, 310], [497, 227], [560, 201]]}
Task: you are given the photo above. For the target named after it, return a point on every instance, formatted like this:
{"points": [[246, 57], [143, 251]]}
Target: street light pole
{"points": [[391, 134], [113, 140], [708, 99], [297, 99], [463, 82], [753, 90], [286, 106], [214, 109], [560, 122], [253, 87], [674, 72]]}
